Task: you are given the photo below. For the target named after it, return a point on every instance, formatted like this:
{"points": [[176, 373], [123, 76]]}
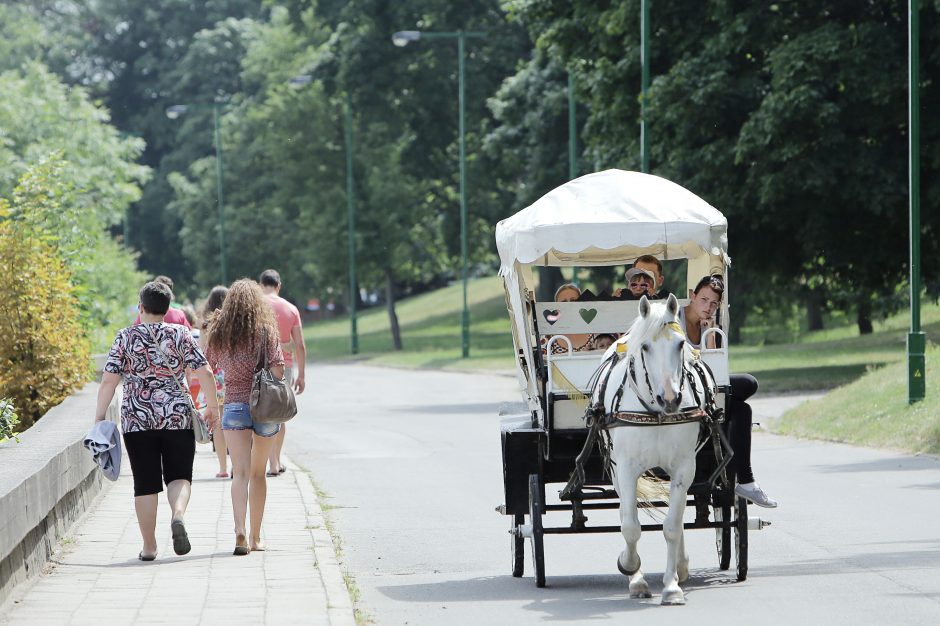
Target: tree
{"points": [[59, 133], [44, 353]]}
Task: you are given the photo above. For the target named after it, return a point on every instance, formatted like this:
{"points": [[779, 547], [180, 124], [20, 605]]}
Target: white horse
{"points": [[642, 388]]}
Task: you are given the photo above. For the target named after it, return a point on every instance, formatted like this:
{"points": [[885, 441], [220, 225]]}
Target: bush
{"points": [[8, 420], [44, 352]]}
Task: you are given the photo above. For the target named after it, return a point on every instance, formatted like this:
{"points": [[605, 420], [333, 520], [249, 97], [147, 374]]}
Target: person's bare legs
{"points": [[258, 486], [146, 508], [239, 445], [177, 494], [221, 449], [274, 458]]}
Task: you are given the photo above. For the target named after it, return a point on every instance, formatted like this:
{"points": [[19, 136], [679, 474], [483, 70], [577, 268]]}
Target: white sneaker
{"points": [[753, 493]]}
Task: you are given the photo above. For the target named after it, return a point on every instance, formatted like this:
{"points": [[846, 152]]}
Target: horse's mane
{"points": [[645, 327]]}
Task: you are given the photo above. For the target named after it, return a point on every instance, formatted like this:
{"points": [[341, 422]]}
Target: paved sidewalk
{"points": [[96, 578]]}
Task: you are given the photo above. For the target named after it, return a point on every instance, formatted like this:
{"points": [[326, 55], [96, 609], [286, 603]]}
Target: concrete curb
{"points": [[340, 605]]}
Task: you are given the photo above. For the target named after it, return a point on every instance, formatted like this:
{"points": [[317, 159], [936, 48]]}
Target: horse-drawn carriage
{"points": [[577, 400]]}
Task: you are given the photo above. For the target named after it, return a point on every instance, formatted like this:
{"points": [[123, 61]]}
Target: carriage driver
{"points": [[695, 318]]}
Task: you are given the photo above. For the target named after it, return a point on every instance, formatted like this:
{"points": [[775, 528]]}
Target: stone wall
{"points": [[47, 481]]}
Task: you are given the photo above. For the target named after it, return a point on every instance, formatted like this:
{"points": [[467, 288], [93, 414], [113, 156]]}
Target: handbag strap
{"points": [[156, 344], [262, 361]]}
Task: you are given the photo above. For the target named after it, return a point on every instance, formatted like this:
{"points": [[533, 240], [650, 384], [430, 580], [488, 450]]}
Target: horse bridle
{"points": [[634, 384]]}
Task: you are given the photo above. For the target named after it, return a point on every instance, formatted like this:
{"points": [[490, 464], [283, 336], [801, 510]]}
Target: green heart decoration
{"points": [[588, 315]]}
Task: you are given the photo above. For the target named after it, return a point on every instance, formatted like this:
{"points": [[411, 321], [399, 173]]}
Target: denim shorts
{"points": [[236, 416]]}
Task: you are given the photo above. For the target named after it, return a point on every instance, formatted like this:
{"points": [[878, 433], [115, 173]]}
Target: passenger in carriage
{"points": [[652, 267], [640, 282], [568, 292], [602, 341], [695, 318]]}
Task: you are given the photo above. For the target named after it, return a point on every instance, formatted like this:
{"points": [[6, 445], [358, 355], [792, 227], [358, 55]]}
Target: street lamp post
{"points": [[916, 339], [403, 38], [306, 79], [173, 113], [644, 85]]}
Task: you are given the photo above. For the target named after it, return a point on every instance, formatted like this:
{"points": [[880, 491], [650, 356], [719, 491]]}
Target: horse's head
{"points": [[656, 355]]}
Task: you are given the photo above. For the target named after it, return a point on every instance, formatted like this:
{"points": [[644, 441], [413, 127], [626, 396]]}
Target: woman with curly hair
{"points": [[238, 332]]}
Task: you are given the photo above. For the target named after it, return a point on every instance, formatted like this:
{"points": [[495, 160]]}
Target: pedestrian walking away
{"points": [[243, 330], [292, 343], [150, 358], [213, 304]]}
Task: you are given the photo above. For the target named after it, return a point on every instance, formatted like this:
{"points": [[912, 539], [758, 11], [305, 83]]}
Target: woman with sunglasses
{"points": [[695, 318]]}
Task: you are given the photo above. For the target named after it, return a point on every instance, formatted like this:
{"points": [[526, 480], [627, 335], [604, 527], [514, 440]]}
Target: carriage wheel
{"points": [[723, 537], [535, 517], [740, 535], [518, 545]]}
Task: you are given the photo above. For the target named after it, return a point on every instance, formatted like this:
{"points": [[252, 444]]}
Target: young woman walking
{"points": [[238, 333]]}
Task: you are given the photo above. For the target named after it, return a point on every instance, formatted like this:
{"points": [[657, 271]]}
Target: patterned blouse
{"points": [[152, 399], [239, 368]]}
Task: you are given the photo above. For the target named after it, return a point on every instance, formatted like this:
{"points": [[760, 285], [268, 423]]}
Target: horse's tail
{"points": [[651, 492]]}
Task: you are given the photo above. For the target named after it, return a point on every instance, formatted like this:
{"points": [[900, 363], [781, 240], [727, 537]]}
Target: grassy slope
{"points": [[873, 411]]}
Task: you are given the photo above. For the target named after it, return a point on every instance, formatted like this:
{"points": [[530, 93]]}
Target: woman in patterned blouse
{"points": [[238, 332], [151, 358]]}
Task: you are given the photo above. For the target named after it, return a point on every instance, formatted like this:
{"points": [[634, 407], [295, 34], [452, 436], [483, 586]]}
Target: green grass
{"points": [[831, 358], [873, 411], [430, 329]]}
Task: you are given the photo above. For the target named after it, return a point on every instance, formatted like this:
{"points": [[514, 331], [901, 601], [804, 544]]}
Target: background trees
{"points": [[790, 117]]}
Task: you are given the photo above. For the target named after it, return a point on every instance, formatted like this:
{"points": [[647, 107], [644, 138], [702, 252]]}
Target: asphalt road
{"points": [[411, 462]]}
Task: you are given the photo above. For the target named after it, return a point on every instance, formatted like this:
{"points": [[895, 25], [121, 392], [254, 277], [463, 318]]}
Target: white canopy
{"points": [[609, 217]]}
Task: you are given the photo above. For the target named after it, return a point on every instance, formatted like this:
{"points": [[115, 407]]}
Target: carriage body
{"points": [[609, 218]]}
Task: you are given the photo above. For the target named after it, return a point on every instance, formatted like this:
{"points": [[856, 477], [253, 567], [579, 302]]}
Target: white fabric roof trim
{"points": [[609, 216]]}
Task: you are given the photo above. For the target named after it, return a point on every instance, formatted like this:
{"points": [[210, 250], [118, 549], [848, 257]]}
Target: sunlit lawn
{"points": [[430, 327]]}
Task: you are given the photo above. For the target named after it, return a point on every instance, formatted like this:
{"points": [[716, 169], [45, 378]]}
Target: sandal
{"points": [[146, 557], [222, 475], [241, 545], [272, 474], [181, 543]]}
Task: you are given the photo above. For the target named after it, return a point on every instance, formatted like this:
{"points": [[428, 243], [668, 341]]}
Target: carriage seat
{"points": [[570, 373]]}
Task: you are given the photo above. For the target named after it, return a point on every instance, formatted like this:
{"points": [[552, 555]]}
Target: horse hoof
{"points": [[673, 598], [628, 572]]}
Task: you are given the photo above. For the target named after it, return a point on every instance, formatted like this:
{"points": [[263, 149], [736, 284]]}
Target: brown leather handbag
{"points": [[272, 400]]}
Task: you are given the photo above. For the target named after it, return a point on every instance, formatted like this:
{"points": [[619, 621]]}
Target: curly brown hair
{"points": [[245, 312]]}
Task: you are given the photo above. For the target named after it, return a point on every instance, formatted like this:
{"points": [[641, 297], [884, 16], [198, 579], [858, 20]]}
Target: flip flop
{"points": [[222, 475], [146, 557], [181, 543], [241, 545], [272, 474]]}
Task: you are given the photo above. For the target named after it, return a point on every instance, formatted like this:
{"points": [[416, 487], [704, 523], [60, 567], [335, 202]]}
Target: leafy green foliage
{"points": [[8, 420], [44, 353], [51, 131]]}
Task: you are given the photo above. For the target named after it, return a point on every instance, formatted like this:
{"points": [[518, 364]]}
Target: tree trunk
{"points": [[814, 311], [392, 316], [864, 316], [550, 278]]}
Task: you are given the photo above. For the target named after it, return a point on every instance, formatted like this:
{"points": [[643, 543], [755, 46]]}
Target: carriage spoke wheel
{"points": [[723, 537], [740, 538], [535, 518], [518, 545]]}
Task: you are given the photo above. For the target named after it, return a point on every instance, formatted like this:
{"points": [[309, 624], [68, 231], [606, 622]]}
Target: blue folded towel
{"points": [[104, 443]]}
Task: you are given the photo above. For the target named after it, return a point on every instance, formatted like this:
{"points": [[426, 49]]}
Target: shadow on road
{"points": [[597, 596]]}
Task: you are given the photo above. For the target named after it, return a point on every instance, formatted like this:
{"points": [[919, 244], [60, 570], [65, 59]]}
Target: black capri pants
{"points": [[743, 386], [156, 453]]}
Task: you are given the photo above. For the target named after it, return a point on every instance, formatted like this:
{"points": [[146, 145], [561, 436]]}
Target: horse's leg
{"points": [[677, 561], [629, 560]]}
